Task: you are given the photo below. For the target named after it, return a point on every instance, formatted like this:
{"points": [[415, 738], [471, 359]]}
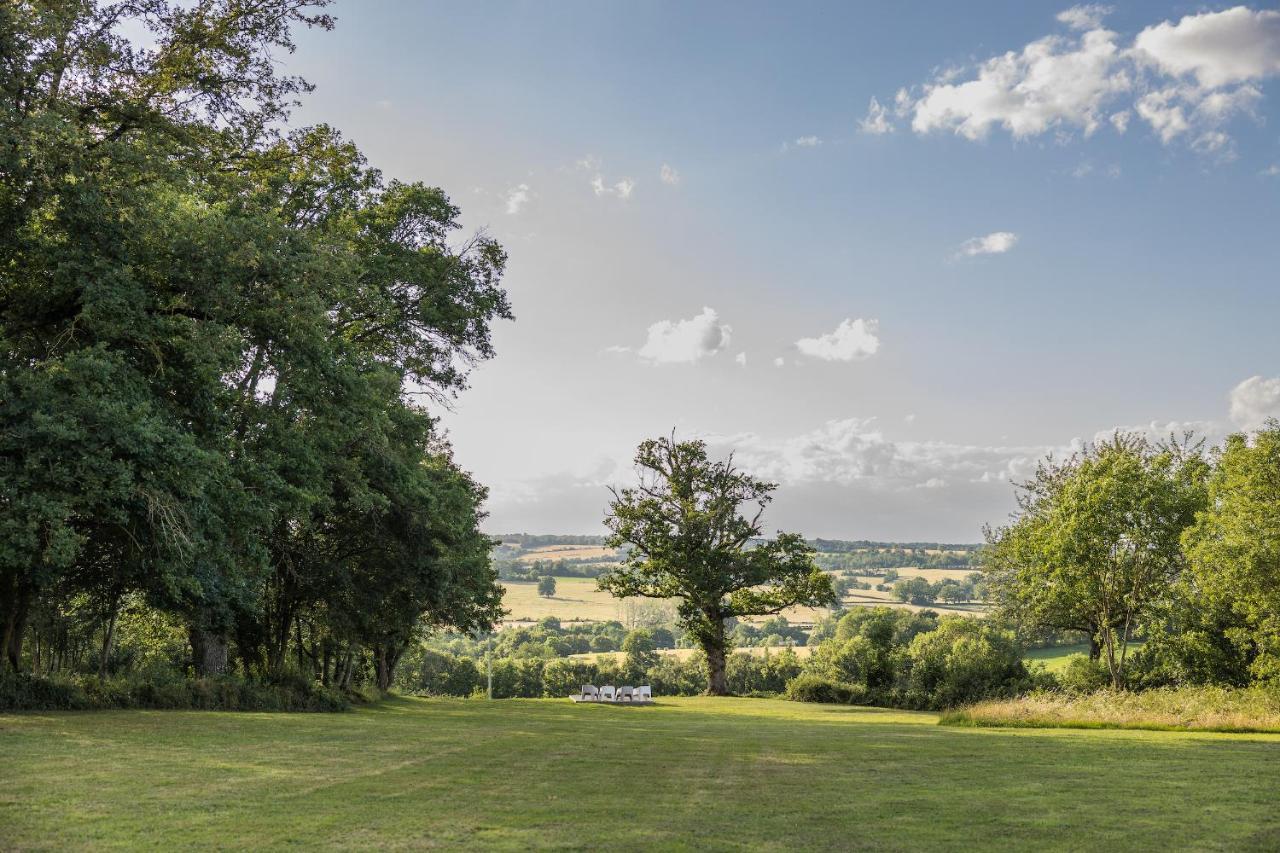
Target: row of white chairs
{"points": [[608, 693]]}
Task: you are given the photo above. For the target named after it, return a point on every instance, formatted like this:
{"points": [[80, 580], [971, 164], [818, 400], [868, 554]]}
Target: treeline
{"points": [[531, 570], [217, 339], [842, 546], [529, 541], [873, 562]]}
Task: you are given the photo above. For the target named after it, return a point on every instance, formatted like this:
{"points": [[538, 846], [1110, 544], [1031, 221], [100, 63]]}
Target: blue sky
{"points": [[1066, 223]]}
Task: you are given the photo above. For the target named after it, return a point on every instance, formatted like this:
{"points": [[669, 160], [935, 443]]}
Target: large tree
{"points": [[689, 541], [1234, 547], [1096, 542], [217, 337]]}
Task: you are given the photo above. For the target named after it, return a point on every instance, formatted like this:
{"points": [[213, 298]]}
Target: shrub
{"points": [[807, 687], [168, 691], [1082, 675], [964, 660]]}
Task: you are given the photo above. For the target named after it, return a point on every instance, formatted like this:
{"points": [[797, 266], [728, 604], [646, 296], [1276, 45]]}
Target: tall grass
{"points": [[1213, 709]]}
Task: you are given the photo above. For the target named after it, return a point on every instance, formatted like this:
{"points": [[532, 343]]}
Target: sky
{"points": [[889, 255]]}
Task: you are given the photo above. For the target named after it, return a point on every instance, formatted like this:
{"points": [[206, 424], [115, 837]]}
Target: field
{"points": [[683, 774], [566, 552], [802, 652], [578, 599], [1055, 658]]}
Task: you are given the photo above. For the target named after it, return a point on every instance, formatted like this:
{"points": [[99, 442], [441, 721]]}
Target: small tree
{"points": [[641, 652], [1095, 543], [688, 542], [546, 586]]}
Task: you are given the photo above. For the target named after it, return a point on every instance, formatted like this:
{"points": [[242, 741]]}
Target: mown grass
{"points": [[1213, 709], [683, 774]]}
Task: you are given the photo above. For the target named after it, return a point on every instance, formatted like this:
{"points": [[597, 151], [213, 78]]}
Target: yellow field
{"points": [[685, 654], [566, 552], [577, 599]]}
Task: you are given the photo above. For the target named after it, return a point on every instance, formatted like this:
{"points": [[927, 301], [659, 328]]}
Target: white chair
{"points": [[589, 693], [643, 694], [625, 694], [606, 693]]}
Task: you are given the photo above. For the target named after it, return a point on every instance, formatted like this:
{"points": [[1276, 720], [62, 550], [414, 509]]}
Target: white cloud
{"points": [[1052, 83], [1272, 171], [852, 339], [995, 243], [1216, 48], [517, 197], [1189, 77], [856, 451], [1084, 17], [685, 341], [622, 189], [669, 176], [877, 119], [1255, 400], [740, 359], [802, 142], [779, 362]]}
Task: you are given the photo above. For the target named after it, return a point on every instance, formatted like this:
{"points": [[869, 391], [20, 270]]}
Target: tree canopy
{"points": [[219, 338], [690, 542]]}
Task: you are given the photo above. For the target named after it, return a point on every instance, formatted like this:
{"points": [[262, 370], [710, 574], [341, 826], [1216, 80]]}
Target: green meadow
{"points": [[708, 774]]}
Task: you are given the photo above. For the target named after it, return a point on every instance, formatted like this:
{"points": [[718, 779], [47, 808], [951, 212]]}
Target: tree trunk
{"points": [[714, 646], [208, 652], [15, 622], [108, 637], [1095, 648]]}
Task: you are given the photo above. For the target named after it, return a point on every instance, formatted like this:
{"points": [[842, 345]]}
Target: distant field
{"points": [[683, 774], [684, 654], [1055, 658], [566, 552], [578, 599]]}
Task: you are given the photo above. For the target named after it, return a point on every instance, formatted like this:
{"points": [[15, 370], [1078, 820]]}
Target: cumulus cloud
{"points": [[1189, 77], [852, 339], [779, 362], [1216, 48], [684, 341], [516, 198], [740, 359], [669, 175], [852, 451], [877, 120], [995, 243], [1255, 400], [1085, 17], [1052, 83]]}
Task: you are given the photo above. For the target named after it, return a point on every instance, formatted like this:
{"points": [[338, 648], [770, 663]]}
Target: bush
{"points": [[166, 692], [807, 687], [963, 661], [1082, 675]]}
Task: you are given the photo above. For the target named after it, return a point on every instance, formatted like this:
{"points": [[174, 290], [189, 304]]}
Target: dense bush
{"points": [[1082, 675], [25, 692], [890, 657]]}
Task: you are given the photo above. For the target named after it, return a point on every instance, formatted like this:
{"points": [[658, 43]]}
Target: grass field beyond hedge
{"points": [[686, 773]]}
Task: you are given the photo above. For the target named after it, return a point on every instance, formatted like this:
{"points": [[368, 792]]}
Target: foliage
{"points": [[1218, 709], [689, 543], [24, 692], [218, 334], [547, 586], [1095, 544], [1234, 550]]}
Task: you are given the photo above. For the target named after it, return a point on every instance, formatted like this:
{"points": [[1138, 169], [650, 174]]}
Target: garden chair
{"points": [[625, 694], [606, 693], [643, 694], [589, 693]]}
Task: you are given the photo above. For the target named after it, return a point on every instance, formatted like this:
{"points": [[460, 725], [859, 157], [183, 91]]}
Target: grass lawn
{"points": [[683, 774]]}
